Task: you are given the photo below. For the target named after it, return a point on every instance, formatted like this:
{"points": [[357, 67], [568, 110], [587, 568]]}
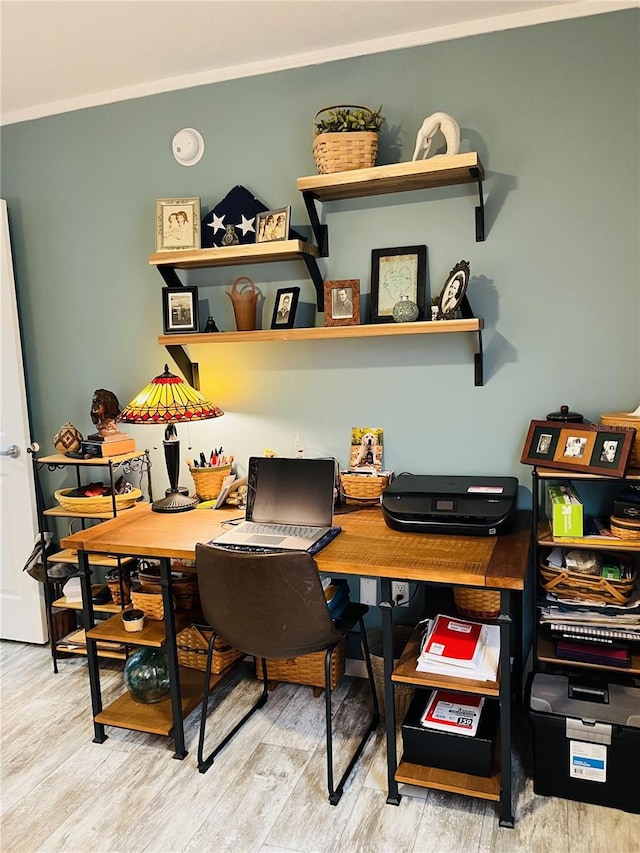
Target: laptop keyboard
{"points": [[254, 528]]}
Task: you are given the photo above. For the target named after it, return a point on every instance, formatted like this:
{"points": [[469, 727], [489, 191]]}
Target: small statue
{"points": [[230, 238], [105, 411], [430, 126]]}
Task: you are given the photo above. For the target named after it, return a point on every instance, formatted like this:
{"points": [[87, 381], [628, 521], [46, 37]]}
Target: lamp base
{"points": [[174, 502]]}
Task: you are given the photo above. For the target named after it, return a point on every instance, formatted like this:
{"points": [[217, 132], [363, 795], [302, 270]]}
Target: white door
{"points": [[22, 615]]}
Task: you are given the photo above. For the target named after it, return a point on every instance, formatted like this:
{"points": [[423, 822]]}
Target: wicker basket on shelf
{"points": [[402, 693], [112, 580], [208, 481], [476, 603], [362, 488], [99, 503], [306, 669], [344, 151], [625, 528], [582, 587], [193, 642], [184, 588], [148, 600]]}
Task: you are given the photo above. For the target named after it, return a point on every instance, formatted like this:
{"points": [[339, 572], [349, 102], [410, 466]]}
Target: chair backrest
{"points": [[267, 605]]}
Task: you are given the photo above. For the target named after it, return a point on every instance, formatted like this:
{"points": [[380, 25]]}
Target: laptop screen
{"points": [[290, 491]]}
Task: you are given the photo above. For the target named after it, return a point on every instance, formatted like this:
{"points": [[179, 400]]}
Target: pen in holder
{"points": [[208, 481]]}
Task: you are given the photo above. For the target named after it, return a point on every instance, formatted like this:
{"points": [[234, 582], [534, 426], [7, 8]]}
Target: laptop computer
{"points": [[289, 506]]}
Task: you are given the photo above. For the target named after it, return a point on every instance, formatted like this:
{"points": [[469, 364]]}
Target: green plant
{"points": [[346, 120]]}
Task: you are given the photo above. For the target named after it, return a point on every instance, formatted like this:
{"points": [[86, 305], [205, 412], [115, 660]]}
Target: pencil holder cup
{"points": [[208, 481]]}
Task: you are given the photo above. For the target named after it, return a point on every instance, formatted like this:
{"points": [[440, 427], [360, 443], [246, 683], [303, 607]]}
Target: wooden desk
{"points": [[366, 547]]}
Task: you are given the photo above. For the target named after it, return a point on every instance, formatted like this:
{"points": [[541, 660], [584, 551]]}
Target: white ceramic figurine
{"points": [[430, 126]]}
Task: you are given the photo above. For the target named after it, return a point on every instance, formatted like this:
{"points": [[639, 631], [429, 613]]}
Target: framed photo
{"points": [[342, 302], [395, 273], [454, 291], [273, 225], [180, 309], [284, 309], [177, 224], [584, 448], [366, 449]]}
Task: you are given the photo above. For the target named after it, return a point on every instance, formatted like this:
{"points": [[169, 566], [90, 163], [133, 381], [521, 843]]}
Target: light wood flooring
{"points": [[264, 794]]}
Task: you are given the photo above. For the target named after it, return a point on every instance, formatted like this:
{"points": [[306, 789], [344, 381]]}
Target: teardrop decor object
{"points": [[405, 311], [67, 438]]}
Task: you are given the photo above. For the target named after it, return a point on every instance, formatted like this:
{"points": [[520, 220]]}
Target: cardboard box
{"points": [[446, 750], [566, 513], [586, 741]]}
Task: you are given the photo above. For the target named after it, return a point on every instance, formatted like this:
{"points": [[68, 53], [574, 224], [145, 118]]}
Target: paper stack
{"points": [[461, 648], [72, 590], [453, 712]]}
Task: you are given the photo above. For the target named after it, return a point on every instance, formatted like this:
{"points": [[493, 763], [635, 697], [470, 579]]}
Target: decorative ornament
{"points": [[68, 438], [405, 311], [230, 237], [430, 126], [146, 675]]}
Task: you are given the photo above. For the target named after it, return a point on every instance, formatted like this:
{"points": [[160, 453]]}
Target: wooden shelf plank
{"points": [[546, 654], [77, 605], [328, 332], [558, 474], [69, 556], [439, 171], [153, 633], [61, 459], [487, 788], [125, 713], [253, 253], [102, 653], [406, 673], [593, 543]]}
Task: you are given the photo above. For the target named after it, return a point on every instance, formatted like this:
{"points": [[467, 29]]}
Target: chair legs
{"points": [[335, 793], [205, 763]]}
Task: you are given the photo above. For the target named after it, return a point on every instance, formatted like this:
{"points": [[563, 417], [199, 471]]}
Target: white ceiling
{"points": [[62, 55]]}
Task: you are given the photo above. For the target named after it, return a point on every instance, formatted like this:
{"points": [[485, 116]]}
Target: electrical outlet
{"points": [[400, 592], [369, 591]]}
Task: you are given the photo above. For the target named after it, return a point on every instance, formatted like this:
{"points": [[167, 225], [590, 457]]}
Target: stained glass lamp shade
{"points": [[169, 400]]}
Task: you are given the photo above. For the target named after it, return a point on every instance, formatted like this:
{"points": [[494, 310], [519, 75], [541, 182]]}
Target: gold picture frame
{"points": [[342, 302], [177, 224]]}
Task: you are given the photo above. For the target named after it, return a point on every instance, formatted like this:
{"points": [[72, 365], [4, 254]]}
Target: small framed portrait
{"points": [[454, 291], [180, 309], [284, 308], [586, 448], [177, 224], [273, 225], [342, 302], [396, 273]]}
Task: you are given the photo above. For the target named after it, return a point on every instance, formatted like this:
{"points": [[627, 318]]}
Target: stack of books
{"points": [[460, 648], [447, 711]]}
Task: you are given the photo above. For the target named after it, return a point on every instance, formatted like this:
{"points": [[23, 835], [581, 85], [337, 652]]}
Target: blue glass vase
{"points": [[146, 675]]}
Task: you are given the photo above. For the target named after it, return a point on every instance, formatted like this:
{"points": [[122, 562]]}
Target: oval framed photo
{"points": [[454, 290]]}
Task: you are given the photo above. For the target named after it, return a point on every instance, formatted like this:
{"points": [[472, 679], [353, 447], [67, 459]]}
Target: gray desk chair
{"points": [[273, 606]]}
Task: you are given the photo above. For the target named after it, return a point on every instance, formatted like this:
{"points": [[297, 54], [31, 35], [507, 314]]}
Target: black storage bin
{"points": [[586, 741], [446, 750]]}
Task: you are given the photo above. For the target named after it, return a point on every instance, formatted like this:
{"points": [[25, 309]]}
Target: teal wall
{"points": [[553, 112]]}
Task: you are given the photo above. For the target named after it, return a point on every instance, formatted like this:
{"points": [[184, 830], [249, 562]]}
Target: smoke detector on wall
{"points": [[187, 146]]}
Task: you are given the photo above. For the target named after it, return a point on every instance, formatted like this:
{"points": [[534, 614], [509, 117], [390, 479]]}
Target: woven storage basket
{"points": [[103, 503], [306, 669], [184, 589], [209, 481], [343, 152], [624, 528], [621, 419], [112, 580], [476, 603], [192, 645], [148, 600], [403, 693], [568, 584], [358, 488]]}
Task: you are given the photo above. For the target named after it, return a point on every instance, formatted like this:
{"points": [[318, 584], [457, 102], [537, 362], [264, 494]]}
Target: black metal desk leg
{"points": [[386, 606], [172, 655], [506, 806], [99, 735]]}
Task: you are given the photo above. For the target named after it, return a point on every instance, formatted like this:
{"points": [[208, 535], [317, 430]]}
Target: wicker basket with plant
{"points": [[346, 137]]}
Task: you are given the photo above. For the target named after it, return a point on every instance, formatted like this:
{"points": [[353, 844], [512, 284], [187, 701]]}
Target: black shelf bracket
{"points": [[169, 275], [320, 231], [480, 236], [316, 278], [190, 369], [478, 357]]}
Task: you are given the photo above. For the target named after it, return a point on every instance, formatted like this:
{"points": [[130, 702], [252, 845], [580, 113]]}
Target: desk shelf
{"points": [[487, 788]]}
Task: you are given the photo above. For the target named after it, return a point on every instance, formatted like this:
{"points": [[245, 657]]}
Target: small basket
{"points": [[402, 693], [476, 603], [184, 589], [193, 643], [102, 503], [149, 600], [343, 152], [305, 669], [363, 489], [112, 580], [209, 481], [568, 584], [624, 528], [626, 421]]}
